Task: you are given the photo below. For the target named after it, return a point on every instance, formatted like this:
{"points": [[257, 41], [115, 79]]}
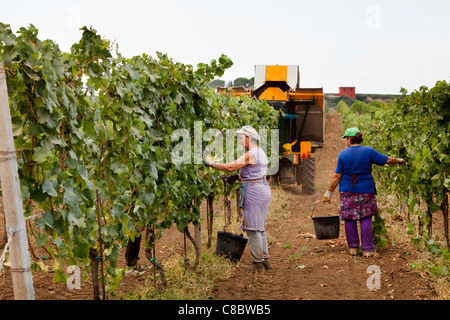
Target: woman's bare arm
{"points": [[392, 160], [245, 159], [335, 181]]}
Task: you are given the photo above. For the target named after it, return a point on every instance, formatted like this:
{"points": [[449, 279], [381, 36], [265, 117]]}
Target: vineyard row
{"points": [[93, 132]]}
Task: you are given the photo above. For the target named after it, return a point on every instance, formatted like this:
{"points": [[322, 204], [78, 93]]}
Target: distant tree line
{"points": [[332, 100], [238, 82]]}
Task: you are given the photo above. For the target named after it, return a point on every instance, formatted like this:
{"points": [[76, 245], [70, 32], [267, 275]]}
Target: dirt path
{"points": [[307, 268]]}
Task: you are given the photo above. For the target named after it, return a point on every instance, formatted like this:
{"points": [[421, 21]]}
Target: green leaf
{"points": [[147, 197], [60, 276], [125, 228], [40, 156], [41, 239], [153, 171], [76, 219], [117, 211], [48, 219], [433, 206], [72, 197], [410, 228], [48, 188], [114, 254], [81, 250], [412, 202], [85, 176], [32, 75]]}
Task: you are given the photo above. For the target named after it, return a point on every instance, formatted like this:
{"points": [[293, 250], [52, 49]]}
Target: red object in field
{"points": [[347, 91]]}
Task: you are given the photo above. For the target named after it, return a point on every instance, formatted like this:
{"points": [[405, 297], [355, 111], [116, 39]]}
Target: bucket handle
{"points": [[312, 213]]}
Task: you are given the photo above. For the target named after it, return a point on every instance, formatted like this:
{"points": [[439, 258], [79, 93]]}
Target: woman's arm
{"points": [[334, 183], [392, 160], [246, 159]]}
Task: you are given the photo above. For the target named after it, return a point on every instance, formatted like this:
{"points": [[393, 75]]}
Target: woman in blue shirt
{"points": [[357, 189]]}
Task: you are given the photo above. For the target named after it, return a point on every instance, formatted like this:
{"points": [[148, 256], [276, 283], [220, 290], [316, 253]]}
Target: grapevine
{"points": [[91, 120], [415, 127]]}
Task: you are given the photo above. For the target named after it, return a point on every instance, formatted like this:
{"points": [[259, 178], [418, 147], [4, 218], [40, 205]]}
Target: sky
{"points": [[377, 46]]}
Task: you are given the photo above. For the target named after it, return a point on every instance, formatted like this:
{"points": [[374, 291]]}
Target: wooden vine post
{"points": [[99, 209], [93, 254], [226, 208], [445, 208], [12, 202], [210, 217], [198, 237]]}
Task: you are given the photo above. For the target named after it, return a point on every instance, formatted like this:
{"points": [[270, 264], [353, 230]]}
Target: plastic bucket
{"points": [[230, 245], [326, 227]]}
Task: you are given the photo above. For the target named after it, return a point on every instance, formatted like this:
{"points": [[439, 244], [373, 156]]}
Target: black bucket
{"points": [[326, 227], [230, 245]]}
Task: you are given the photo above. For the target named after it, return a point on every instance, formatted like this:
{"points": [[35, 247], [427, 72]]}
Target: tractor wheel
{"points": [[308, 175]]}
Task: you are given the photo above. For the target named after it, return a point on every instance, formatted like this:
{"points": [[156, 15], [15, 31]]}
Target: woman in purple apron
{"points": [[255, 194], [357, 190]]}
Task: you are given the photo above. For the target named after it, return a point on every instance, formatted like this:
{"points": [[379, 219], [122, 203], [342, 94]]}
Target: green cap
{"points": [[351, 132]]}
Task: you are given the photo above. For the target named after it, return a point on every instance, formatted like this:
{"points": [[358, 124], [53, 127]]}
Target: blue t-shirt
{"points": [[358, 160]]}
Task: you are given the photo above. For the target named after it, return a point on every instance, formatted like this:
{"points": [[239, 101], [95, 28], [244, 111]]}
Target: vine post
{"points": [[93, 254], [5, 236], [12, 201], [444, 208], [210, 217], [198, 237], [99, 209], [226, 207]]}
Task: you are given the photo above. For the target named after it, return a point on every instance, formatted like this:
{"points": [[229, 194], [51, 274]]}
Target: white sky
{"points": [[378, 46]]}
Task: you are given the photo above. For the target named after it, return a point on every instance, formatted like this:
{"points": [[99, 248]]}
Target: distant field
{"points": [[332, 100]]}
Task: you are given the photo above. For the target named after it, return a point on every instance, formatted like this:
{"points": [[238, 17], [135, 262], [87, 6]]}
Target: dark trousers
{"points": [[132, 251]]}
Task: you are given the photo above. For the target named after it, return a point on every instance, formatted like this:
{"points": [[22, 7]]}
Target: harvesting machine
{"points": [[301, 128]]}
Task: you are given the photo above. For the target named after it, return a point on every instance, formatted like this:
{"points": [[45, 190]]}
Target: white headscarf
{"points": [[249, 132]]}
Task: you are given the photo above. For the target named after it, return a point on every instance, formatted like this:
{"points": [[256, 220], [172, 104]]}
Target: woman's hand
{"points": [[334, 183], [245, 159], [231, 179], [327, 196]]}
